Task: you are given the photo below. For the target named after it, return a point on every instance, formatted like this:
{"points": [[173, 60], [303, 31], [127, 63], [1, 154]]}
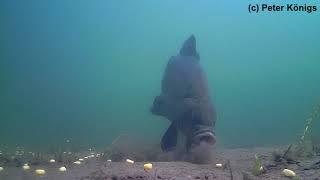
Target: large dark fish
{"points": [[185, 100]]}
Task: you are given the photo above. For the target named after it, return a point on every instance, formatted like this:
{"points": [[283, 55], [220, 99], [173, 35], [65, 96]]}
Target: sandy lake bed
{"points": [[237, 164]]}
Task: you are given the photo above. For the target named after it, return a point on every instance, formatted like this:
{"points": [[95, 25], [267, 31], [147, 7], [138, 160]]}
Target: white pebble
{"points": [[109, 160], [52, 161], [77, 162], [130, 161], [40, 172], [288, 173], [1, 169], [25, 167], [219, 165], [62, 169], [80, 159]]}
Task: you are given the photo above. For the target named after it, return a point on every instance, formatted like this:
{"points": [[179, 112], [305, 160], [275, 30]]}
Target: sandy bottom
{"points": [[239, 164]]}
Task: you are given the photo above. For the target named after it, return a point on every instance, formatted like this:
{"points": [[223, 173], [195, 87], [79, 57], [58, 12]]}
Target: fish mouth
{"points": [[206, 136]]}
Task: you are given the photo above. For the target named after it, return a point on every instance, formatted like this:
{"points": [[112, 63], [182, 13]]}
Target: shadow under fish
{"points": [[185, 101]]}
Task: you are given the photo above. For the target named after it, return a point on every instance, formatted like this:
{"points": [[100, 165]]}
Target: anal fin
{"points": [[169, 139]]}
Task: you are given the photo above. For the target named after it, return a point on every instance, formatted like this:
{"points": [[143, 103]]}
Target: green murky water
{"points": [[87, 71]]}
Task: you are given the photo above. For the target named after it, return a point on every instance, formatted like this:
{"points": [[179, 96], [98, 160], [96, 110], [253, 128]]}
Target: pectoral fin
{"points": [[169, 139], [159, 106]]}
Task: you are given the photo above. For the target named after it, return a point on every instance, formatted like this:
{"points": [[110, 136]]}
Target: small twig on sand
{"points": [[117, 138], [155, 174], [286, 152], [315, 165], [289, 160], [230, 169]]}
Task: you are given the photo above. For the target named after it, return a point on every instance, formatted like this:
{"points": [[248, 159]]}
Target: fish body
{"points": [[185, 100]]}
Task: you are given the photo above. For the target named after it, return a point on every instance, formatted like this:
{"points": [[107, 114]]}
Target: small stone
{"points": [[130, 161], [147, 166], [288, 173], [77, 162], [62, 169], [25, 167], [40, 172]]}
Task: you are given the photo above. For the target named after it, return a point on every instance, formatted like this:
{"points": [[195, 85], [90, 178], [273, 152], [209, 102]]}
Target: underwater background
{"points": [[87, 71]]}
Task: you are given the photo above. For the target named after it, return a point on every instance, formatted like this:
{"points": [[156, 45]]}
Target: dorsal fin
{"points": [[189, 48]]}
